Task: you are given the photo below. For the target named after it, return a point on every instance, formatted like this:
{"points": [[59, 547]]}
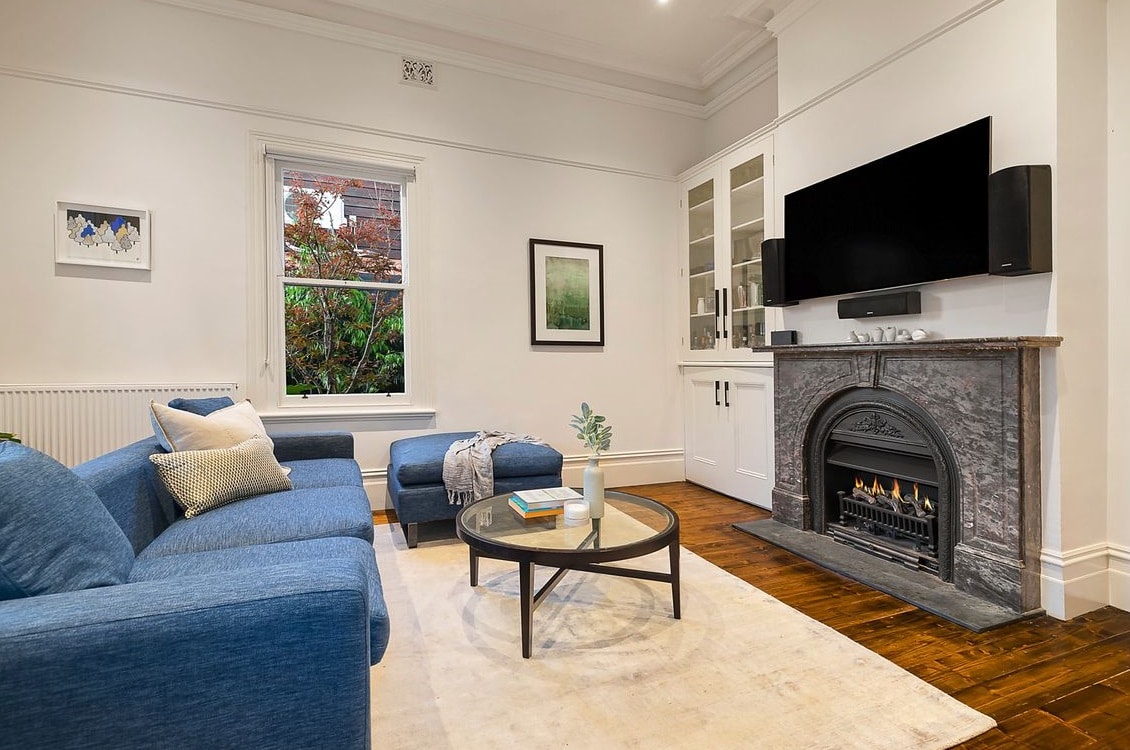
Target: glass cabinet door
{"points": [[700, 249], [747, 231]]}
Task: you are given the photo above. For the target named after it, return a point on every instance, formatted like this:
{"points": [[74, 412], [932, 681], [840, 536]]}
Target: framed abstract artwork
{"points": [[101, 236], [566, 293]]}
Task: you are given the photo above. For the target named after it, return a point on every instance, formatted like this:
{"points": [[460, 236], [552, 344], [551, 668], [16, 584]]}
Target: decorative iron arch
{"points": [[893, 420]]}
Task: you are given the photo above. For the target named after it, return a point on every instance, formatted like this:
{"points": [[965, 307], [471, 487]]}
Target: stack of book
{"points": [[542, 503]]}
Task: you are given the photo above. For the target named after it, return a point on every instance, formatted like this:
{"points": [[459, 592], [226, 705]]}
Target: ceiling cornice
{"points": [[700, 101], [789, 14]]}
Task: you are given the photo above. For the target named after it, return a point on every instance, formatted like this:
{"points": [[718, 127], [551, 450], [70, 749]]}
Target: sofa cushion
{"points": [[324, 472], [309, 551], [419, 459], [127, 484], [55, 534], [202, 480], [311, 513], [201, 406], [179, 430]]}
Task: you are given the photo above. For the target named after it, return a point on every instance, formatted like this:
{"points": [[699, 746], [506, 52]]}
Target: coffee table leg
{"points": [[675, 579], [526, 587], [474, 568]]}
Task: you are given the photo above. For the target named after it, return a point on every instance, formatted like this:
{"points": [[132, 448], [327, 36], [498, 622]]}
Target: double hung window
{"points": [[340, 289]]}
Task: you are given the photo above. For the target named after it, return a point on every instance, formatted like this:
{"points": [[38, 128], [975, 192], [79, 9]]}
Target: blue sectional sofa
{"points": [[125, 625]]}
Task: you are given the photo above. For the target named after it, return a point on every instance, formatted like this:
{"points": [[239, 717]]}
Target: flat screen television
{"points": [[920, 214]]}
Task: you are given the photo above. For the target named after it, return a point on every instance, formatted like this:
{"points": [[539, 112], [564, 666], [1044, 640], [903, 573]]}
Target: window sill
{"points": [[395, 417]]}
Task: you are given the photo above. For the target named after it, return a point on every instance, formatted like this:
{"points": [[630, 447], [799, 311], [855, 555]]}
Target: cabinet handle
{"points": [[717, 312], [725, 333], [717, 385], [727, 394]]}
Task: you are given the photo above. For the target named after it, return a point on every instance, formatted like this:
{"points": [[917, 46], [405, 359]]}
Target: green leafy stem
{"points": [[592, 430]]}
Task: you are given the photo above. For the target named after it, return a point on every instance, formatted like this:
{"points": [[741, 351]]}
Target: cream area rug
{"points": [[611, 668]]}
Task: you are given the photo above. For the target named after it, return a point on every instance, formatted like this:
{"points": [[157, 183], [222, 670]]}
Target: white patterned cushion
{"points": [[179, 430], [206, 479]]}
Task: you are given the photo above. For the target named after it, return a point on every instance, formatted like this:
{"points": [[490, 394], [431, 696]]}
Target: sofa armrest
{"points": [[266, 657], [300, 446]]}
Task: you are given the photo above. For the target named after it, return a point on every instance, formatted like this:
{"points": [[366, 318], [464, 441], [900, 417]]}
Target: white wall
{"points": [[1118, 178], [1076, 570], [140, 104], [747, 114], [860, 80]]}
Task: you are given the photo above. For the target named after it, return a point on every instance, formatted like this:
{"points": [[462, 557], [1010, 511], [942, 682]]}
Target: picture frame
{"points": [[91, 235], [566, 293]]}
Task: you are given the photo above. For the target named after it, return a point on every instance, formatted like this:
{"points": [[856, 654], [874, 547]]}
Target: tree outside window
{"points": [[343, 284]]}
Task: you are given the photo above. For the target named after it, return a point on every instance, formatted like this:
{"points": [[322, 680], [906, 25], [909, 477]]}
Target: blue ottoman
{"points": [[415, 476]]}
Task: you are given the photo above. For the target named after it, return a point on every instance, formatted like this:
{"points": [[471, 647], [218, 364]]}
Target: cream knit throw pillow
{"points": [[201, 480]]}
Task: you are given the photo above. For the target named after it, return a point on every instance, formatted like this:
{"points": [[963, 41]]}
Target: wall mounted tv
{"points": [[920, 214]]}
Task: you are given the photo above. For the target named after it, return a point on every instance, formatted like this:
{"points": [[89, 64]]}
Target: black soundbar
{"points": [[880, 305]]}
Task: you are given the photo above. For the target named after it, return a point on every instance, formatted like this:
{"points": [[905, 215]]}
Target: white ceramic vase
{"points": [[594, 488]]}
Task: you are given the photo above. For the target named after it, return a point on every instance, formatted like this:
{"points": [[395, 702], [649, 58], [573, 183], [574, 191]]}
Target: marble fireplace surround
{"points": [[984, 395]]}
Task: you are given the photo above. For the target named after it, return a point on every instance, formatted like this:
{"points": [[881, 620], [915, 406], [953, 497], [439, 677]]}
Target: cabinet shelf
{"points": [[702, 274], [702, 240], [702, 207], [746, 228], [753, 308], [742, 264], [749, 185]]}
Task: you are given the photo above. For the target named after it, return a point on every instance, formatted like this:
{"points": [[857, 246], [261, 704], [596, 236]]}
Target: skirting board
{"points": [[922, 590], [1081, 580]]}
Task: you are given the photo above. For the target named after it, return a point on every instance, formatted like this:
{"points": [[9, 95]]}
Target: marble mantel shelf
{"points": [[965, 345]]}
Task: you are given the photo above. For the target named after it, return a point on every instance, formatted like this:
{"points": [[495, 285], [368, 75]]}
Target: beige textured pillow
{"points": [[179, 430], [202, 480]]}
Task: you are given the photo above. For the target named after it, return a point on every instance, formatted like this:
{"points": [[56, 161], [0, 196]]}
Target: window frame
{"points": [[268, 354]]}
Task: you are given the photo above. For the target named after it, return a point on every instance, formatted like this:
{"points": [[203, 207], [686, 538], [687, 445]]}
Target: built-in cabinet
{"points": [[727, 213], [729, 430], [726, 210]]}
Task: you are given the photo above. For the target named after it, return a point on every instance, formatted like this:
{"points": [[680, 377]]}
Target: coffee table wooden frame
{"points": [[587, 556]]}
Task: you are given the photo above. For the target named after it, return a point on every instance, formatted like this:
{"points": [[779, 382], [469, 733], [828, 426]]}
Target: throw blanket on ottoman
{"points": [[468, 469]]}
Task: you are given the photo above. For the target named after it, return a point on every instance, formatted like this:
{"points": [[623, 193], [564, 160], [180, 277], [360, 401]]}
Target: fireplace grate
{"points": [[897, 536]]}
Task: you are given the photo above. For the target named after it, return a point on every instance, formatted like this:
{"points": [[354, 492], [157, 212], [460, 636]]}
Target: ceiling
{"points": [[689, 52]]}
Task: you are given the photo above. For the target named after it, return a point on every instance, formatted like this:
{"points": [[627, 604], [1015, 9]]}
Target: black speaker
{"points": [[782, 338], [1020, 220], [773, 273], [880, 305]]}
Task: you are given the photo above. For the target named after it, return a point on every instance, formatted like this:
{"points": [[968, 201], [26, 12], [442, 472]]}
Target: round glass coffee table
{"points": [[631, 527]]}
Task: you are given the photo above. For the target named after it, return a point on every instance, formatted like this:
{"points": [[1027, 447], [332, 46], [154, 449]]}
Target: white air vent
{"points": [[417, 72]]}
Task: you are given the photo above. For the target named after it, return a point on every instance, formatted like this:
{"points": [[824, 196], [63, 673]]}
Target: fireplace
{"points": [[956, 424], [880, 476]]}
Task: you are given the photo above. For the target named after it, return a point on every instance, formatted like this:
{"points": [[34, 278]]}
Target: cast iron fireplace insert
{"points": [[880, 477]]}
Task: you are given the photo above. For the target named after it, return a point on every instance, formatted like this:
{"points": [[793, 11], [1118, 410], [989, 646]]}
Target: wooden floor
{"points": [[1050, 685]]}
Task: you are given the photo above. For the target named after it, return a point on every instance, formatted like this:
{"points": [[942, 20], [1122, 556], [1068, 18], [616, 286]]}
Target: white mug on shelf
{"points": [[701, 305]]}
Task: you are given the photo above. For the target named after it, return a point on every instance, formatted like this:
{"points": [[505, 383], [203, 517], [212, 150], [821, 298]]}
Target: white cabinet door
{"points": [[707, 449], [726, 213], [751, 416], [729, 431]]}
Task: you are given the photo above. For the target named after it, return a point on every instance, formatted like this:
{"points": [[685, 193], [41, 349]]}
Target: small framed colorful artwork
{"points": [[566, 293], [101, 236]]}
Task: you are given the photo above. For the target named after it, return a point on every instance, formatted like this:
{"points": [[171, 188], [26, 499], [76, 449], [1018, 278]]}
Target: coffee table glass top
{"points": [[628, 520]]}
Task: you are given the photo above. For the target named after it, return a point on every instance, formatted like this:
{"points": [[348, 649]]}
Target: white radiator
{"points": [[74, 423]]}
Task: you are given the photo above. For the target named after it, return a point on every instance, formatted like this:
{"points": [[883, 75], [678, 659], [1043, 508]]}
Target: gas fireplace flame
{"points": [[858, 483], [895, 489], [876, 488]]}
